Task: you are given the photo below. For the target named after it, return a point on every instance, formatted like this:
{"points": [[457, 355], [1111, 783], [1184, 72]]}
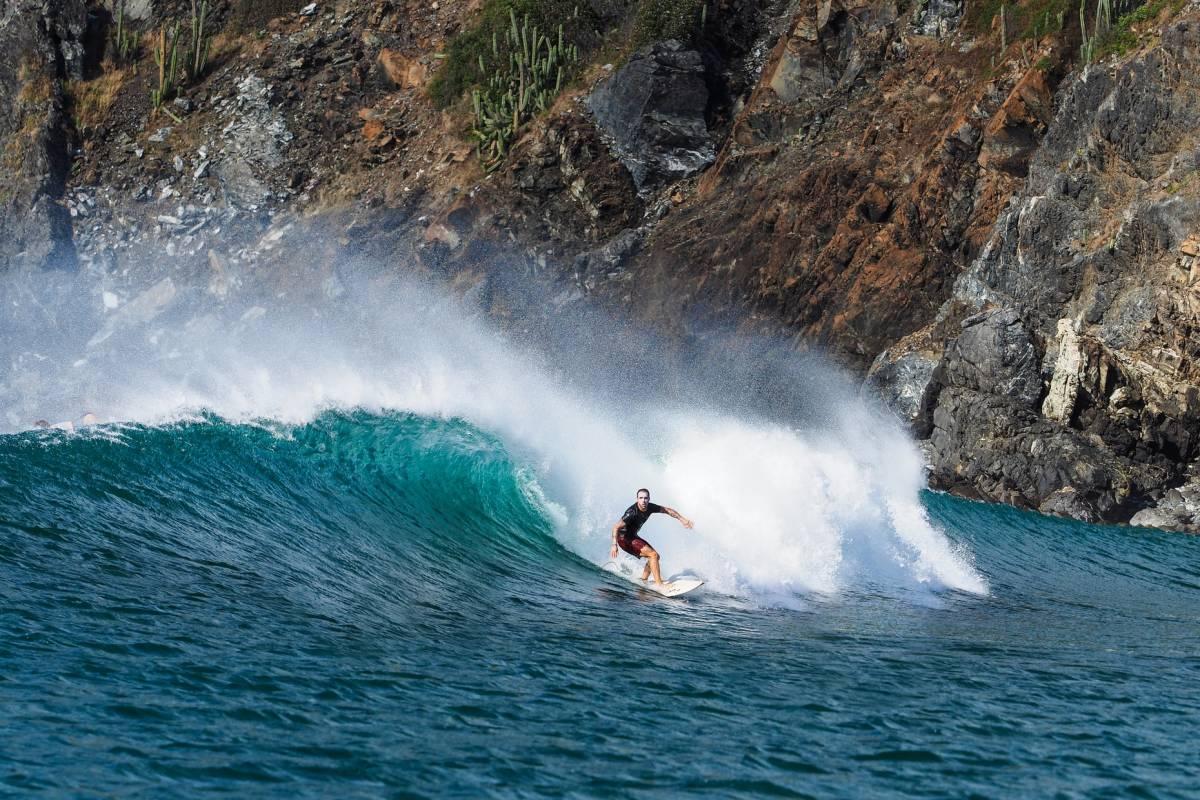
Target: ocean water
{"points": [[378, 605], [297, 561]]}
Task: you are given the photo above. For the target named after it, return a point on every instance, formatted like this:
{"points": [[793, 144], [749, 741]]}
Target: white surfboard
{"points": [[671, 587]]}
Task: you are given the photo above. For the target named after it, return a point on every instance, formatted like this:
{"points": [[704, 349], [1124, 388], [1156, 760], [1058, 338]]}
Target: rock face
{"points": [[988, 439], [994, 355], [653, 108], [860, 179], [1092, 259], [42, 46]]}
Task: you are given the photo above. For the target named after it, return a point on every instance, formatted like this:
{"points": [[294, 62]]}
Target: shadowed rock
{"points": [[653, 108]]}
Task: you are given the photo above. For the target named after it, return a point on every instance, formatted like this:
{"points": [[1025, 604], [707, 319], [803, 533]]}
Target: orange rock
{"points": [[372, 130], [402, 71]]}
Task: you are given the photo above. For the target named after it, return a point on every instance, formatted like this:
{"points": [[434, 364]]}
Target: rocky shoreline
{"points": [[1001, 241]]}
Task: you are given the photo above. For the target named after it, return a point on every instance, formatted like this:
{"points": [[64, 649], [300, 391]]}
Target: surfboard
{"points": [[673, 586]]}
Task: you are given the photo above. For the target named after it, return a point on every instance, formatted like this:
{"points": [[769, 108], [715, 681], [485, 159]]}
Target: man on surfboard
{"points": [[625, 532]]}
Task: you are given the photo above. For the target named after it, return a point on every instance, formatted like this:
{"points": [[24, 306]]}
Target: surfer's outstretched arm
{"points": [[670, 512]]}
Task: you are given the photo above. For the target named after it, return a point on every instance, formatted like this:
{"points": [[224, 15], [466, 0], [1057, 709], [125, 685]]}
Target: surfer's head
{"points": [[643, 499]]}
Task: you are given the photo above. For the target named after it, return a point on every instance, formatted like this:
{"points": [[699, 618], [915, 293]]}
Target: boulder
{"points": [[937, 18], [653, 108], [905, 383], [994, 355], [1179, 509]]}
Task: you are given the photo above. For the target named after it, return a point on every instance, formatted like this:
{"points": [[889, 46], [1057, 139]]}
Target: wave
{"points": [[784, 504], [429, 504]]}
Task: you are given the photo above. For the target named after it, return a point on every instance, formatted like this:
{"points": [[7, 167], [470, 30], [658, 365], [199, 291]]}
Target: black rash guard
{"points": [[634, 519]]}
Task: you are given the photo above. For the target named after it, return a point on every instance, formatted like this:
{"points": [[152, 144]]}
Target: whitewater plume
{"points": [[788, 497]]}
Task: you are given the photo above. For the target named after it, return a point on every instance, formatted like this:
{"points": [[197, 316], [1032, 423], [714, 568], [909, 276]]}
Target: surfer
{"points": [[625, 532]]}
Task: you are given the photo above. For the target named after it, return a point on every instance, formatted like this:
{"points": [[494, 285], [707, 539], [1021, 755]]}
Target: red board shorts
{"points": [[632, 545]]}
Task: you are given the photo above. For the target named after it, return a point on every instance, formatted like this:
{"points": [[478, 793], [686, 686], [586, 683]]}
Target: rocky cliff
{"points": [[947, 199]]}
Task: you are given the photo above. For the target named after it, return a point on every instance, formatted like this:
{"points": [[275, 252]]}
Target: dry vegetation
{"points": [[90, 101], [31, 108]]}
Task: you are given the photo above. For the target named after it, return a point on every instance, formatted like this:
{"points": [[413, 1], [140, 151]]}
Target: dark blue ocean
{"points": [[405, 604]]}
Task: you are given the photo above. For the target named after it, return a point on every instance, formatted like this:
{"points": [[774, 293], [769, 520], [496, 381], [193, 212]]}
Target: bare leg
{"points": [[651, 556], [653, 566]]}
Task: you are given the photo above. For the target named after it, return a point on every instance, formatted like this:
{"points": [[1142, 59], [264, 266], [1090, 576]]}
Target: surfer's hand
{"points": [[613, 554], [687, 523]]}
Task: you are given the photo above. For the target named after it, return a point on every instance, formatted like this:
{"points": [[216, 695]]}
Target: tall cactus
{"points": [[199, 41], [175, 68], [125, 41], [509, 98], [166, 57]]}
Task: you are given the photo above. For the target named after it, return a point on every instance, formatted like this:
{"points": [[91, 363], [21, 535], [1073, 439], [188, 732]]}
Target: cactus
{"points": [[536, 71], [199, 42], [125, 41], [1102, 23], [172, 73], [166, 57]]}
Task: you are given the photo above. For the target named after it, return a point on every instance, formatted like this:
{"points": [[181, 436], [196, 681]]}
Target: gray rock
{"points": [[937, 18], [1179, 509], [255, 139], [609, 257], [994, 355], [905, 384], [139, 9], [653, 108], [998, 448], [1069, 502]]}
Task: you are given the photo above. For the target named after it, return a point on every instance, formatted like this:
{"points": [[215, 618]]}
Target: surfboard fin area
{"points": [[673, 586]]}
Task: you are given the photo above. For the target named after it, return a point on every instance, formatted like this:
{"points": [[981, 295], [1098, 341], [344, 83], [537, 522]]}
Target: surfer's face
{"points": [[643, 500]]}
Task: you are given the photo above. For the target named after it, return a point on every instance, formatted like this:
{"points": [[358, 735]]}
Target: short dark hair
{"points": [[647, 491]]}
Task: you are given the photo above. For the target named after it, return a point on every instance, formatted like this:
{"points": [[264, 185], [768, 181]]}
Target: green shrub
{"points": [[1121, 38], [1027, 20], [657, 20]]}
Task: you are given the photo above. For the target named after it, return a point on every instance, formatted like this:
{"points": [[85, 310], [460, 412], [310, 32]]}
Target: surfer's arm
{"points": [[616, 529], [670, 512]]}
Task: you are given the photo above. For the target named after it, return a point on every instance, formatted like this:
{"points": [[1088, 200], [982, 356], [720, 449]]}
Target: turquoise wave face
{"points": [[344, 506], [377, 605]]}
